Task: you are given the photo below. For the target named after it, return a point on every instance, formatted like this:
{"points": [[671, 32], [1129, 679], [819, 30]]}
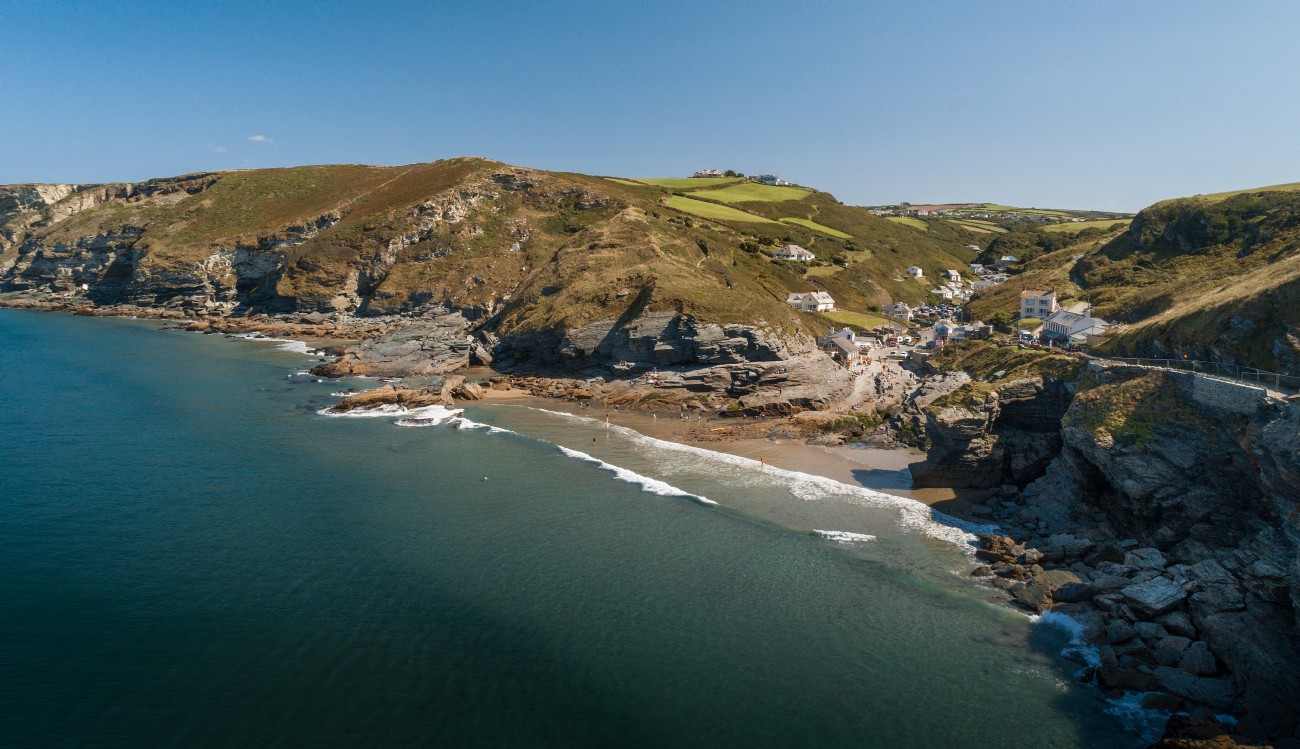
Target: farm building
{"points": [[793, 252], [812, 301]]}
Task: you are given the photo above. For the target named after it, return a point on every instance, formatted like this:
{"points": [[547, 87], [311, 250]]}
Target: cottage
{"points": [[978, 269], [708, 173], [812, 301], [952, 276], [1038, 304], [942, 291], [1006, 261], [899, 310], [915, 271], [770, 179], [1073, 327], [793, 252]]}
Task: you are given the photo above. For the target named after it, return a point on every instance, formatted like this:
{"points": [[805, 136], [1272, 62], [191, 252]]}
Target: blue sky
{"points": [[1082, 104]]}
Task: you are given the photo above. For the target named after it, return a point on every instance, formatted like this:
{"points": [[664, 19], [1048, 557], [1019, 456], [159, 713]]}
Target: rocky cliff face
{"points": [[1174, 501]]}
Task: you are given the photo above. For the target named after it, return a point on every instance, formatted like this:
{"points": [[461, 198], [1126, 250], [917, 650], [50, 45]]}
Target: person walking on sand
{"points": [[762, 464]]}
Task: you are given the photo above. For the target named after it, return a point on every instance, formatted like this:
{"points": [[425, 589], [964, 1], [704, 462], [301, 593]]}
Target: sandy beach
{"points": [[884, 470]]}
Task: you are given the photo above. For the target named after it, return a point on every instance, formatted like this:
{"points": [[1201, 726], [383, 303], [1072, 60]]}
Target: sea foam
{"points": [[845, 537], [911, 513], [286, 344], [653, 486]]}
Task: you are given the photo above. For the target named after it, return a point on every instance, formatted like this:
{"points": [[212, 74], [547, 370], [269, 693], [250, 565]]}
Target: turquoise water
{"points": [[191, 556]]}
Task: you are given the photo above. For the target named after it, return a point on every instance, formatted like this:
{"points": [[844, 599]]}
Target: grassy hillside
{"points": [[526, 249], [1214, 277]]}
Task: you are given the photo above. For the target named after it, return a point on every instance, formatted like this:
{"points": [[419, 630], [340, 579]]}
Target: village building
{"points": [[952, 276], [899, 310], [812, 301], [915, 271], [770, 179], [1006, 261], [982, 285], [942, 291], [1038, 304], [978, 269], [708, 173], [793, 252], [1073, 327]]}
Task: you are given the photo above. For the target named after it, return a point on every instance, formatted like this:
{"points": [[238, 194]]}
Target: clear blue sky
{"points": [[1108, 105]]}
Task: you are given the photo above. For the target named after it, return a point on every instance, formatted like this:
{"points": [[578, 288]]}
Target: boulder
{"points": [[1145, 559], [1187, 732], [1216, 693], [1178, 623], [1171, 649], [1073, 593], [1127, 679], [1036, 593], [1198, 660], [468, 391], [1119, 631], [1150, 630], [1154, 596]]}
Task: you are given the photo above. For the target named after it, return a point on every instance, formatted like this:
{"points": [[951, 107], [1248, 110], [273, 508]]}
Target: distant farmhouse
{"points": [[793, 252], [1037, 304], [770, 179], [708, 173], [812, 301]]}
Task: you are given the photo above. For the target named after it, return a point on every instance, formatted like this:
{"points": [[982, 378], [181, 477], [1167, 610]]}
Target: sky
{"points": [[1080, 104]]}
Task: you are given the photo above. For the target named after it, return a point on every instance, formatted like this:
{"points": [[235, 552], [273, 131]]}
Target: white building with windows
{"points": [[1039, 304], [793, 252], [915, 271], [812, 301], [899, 310]]}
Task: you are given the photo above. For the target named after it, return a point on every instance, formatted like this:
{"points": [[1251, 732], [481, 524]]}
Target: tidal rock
{"points": [[1036, 594], [1216, 693], [1145, 559], [1154, 596], [1074, 593], [1171, 650], [1178, 623], [1198, 660], [1127, 679], [1119, 631], [1150, 630]]}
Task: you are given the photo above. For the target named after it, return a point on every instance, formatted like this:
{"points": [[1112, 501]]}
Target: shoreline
{"points": [[883, 470]]}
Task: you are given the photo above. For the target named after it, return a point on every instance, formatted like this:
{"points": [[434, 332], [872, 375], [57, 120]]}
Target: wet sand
{"points": [[885, 470]]}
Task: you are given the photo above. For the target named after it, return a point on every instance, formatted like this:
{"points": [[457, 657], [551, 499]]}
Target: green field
{"points": [[686, 183], [817, 227], [713, 210], [1078, 226], [1215, 197], [745, 192], [860, 320], [915, 223], [977, 225], [822, 271]]}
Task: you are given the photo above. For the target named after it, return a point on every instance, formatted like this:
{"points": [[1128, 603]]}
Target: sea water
{"points": [[191, 555]]}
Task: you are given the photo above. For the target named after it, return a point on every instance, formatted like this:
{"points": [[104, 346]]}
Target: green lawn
{"points": [[1078, 226], [821, 271], [686, 183], [713, 210], [915, 223], [1029, 323], [817, 227], [752, 191], [861, 320]]}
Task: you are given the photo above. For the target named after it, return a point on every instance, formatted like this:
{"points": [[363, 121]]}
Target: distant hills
{"points": [[1211, 277]]}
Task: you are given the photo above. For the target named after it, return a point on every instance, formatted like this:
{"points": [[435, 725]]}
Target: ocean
{"points": [[191, 555]]}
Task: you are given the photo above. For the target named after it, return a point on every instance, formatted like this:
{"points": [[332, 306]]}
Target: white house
{"points": [[915, 271], [952, 276], [1038, 304], [981, 285], [812, 301], [793, 252], [770, 179], [899, 310], [1006, 261], [708, 173], [978, 269], [1073, 327], [942, 291]]}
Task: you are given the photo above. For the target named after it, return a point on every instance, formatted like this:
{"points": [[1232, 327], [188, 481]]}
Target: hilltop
{"points": [[515, 251], [994, 218], [1210, 277]]}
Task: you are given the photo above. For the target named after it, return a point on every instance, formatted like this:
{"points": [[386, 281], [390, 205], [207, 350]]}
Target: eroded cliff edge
{"points": [[1160, 508]]}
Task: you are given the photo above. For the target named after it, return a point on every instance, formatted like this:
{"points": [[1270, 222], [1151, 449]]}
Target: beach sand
{"points": [[884, 470]]}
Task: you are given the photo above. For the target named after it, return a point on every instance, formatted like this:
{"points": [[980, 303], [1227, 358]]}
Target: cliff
{"points": [[1170, 498]]}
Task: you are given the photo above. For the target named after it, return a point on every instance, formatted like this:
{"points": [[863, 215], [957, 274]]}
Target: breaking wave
{"points": [[653, 486], [845, 537]]}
